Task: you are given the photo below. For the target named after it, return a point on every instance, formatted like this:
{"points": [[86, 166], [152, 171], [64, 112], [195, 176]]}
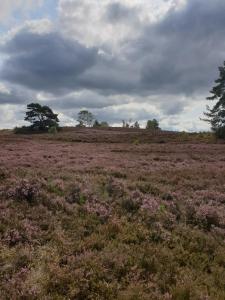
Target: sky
{"points": [[119, 59]]}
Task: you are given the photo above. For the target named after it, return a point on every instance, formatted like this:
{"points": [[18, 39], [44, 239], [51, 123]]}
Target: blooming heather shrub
{"points": [[209, 196], [206, 216], [17, 287], [25, 190], [203, 215], [102, 210], [150, 205], [13, 237]]}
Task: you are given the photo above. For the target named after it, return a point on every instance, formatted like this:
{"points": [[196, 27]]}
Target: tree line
{"points": [[43, 119]]}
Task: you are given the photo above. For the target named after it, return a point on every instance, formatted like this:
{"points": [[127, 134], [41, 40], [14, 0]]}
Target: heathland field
{"points": [[112, 214]]}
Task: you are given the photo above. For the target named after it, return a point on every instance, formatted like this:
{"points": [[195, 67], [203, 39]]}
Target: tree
{"points": [[41, 117], [216, 114], [85, 118], [136, 125], [96, 124], [104, 124], [152, 124], [126, 124]]}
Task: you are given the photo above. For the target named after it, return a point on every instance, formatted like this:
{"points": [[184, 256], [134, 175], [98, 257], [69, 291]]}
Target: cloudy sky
{"points": [[120, 59]]}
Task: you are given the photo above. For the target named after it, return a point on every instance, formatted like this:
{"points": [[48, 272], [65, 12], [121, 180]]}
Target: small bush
{"points": [[220, 133], [53, 130], [23, 130], [75, 196], [24, 190], [207, 216], [131, 205], [3, 174]]}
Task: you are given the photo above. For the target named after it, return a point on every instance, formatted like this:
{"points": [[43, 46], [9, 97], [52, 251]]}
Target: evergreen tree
{"points": [[136, 125], [41, 117], [96, 124], [216, 114]]}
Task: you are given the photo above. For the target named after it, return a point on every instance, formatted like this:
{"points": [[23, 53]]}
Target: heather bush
{"points": [[75, 196], [113, 188], [3, 174], [130, 205], [24, 190], [13, 237], [102, 210], [206, 216]]}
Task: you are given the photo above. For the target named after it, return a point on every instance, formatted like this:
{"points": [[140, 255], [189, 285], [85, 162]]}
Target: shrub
{"points": [[206, 216], [23, 130], [130, 205], [3, 174], [75, 196], [24, 190], [220, 132], [53, 130]]}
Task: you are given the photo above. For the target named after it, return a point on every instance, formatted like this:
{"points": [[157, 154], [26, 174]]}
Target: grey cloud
{"points": [[117, 12], [16, 96], [178, 55], [86, 99], [45, 61], [181, 53]]}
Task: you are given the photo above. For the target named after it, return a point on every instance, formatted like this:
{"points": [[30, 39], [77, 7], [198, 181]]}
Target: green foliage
{"points": [[85, 118], [126, 124], [52, 130], [103, 124], [136, 125], [216, 114], [23, 130], [41, 117], [136, 142], [152, 124], [96, 124]]}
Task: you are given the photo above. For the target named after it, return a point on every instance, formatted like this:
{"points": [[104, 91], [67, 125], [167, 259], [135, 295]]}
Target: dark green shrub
{"points": [[53, 130]]}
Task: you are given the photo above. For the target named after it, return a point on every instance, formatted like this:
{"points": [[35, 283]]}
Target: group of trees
{"points": [[43, 119], [87, 119]]}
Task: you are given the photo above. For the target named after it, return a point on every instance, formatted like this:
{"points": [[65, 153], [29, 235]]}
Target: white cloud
{"points": [[86, 20], [4, 89]]}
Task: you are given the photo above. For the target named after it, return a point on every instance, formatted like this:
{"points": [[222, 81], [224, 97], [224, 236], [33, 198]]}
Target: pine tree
{"points": [[41, 117], [216, 114]]}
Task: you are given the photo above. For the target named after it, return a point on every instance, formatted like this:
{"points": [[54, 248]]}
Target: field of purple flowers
{"points": [[99, 220]]}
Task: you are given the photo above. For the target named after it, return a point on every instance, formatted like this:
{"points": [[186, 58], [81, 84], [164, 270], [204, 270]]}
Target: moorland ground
{"points": [[112, 214]]}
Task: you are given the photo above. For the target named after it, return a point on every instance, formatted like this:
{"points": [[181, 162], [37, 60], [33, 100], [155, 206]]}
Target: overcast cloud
{"points": [[120, 59]]}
